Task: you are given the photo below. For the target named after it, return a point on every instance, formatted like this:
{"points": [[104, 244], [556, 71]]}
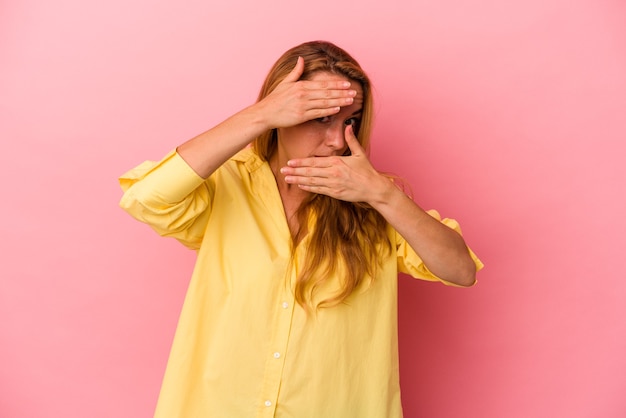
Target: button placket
{"points": [[276, 361]]}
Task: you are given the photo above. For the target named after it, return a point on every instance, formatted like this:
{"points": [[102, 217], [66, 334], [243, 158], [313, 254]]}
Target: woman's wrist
{"points": [[384, 193]]}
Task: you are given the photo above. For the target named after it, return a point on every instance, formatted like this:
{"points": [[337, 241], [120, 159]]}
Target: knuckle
{"points": [[319, 113]]}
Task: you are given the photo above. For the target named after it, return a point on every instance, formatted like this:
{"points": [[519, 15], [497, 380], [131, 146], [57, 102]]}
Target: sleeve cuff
{"points": [[167, 181]]}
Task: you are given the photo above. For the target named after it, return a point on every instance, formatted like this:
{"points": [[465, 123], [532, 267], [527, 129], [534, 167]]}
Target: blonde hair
{"points": [[348, 237]]}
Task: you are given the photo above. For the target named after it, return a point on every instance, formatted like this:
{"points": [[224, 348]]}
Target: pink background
{"points": [[509, 116]]}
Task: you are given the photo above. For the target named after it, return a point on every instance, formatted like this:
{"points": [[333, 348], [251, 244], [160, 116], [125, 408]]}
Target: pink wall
{"points": [[509, 116]]}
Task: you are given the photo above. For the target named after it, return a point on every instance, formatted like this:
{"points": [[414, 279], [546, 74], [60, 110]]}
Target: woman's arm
{"points": [[291, 103], [441, 248], [353, 179]]}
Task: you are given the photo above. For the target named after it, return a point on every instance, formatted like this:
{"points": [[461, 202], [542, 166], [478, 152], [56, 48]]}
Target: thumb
{"points": [[353, 143], [297, 71]]}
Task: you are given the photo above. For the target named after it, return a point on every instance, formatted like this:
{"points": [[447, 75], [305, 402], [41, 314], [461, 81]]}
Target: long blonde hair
{"points": [[346, 234]]}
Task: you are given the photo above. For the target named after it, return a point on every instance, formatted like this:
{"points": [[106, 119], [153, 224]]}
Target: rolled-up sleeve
{"points": [[170, 197], [409, 262]]}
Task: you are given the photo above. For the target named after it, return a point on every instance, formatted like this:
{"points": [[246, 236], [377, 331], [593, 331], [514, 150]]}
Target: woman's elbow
{"points": [[464, 274], [467, 280]]}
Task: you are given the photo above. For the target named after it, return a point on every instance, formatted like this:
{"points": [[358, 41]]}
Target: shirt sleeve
{"points": [[170, 197], [409, 262]]}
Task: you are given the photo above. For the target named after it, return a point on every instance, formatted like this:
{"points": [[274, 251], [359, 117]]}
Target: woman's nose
{"points": [[335, 137]]}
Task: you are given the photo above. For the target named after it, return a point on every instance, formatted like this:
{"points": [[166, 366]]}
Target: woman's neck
{"points": [[291, 195]]}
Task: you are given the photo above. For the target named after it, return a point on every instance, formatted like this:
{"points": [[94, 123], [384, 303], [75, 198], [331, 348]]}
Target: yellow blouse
{"points": [[243, 347]]}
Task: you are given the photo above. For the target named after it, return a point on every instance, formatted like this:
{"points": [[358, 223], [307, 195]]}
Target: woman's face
{"points": [[325, 136]]}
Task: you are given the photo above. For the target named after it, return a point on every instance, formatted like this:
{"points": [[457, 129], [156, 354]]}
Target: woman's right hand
{"points": [[296, 101], [293, 102]]}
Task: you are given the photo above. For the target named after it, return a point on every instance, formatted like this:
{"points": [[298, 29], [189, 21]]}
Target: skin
{"points": [[310, 159], [292, 102], [317, 138]]}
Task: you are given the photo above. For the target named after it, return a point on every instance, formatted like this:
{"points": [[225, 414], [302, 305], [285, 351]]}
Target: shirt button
{"points": [[285, 305], [268, 403], [277, 355]]}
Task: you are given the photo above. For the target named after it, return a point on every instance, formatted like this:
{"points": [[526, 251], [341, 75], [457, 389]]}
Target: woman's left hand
{"points": [[351, 178]]}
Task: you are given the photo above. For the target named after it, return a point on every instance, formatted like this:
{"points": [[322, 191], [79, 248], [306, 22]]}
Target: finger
{"points": [[310, 175], [330, 94], [328, 85], [327, 98], [317, 113], [317, 162], [330, 103], [295, 74], [352, 141], [305, 180], [314, 184]]}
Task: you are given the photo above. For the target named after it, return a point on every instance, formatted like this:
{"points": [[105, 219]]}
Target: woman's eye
{"points": [[355, 124], [324, 119]]}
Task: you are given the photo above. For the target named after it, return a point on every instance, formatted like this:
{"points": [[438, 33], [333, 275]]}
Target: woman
{"points": [[291, 310]]}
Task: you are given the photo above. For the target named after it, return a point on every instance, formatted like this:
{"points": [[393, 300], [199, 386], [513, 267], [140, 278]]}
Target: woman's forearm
{"points": [[441, 248], [209, 150]]}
